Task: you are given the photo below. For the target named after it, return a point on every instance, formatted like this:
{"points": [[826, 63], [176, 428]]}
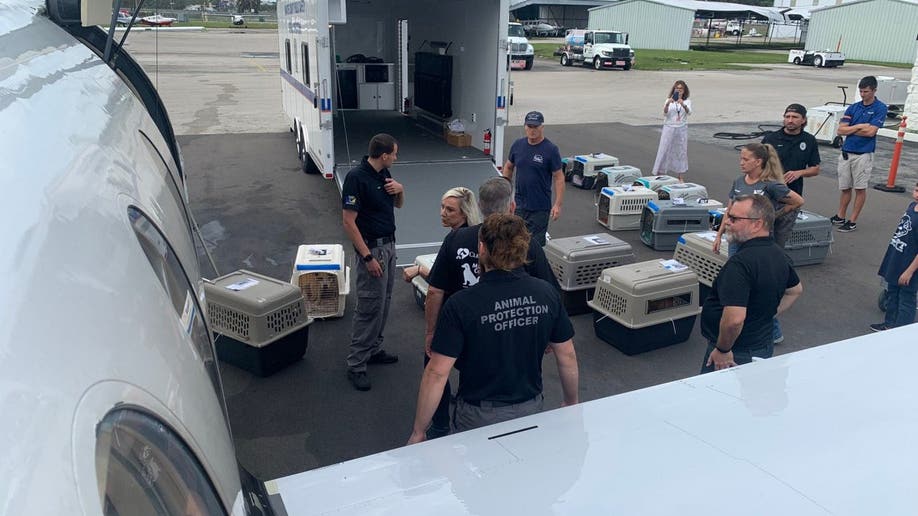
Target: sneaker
{"points": [[838, 221], [359, 380], [382, 358], [779, 339], [879, 327], [848, 226]]}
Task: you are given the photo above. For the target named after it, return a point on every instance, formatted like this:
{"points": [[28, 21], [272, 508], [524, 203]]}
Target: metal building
{"points": [[570, 14], [872, 30], [667, 24], [649, 23]]}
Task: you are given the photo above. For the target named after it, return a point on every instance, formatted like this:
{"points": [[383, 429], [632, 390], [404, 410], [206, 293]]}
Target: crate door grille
{"points": [[320, 292], [285, 318], [226, 320]]}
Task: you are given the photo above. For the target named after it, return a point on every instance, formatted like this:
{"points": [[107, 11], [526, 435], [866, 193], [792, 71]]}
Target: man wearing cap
{"points": [[797, 148], [539, 164], [800, 158], [859, 126]]}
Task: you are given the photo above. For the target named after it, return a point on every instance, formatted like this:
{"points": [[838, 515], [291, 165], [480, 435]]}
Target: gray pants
{"points": [[373, 298], [467, 417]]}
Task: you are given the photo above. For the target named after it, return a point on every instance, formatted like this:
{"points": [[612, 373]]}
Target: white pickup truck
{"points": [[817, 58], [521, 52]]}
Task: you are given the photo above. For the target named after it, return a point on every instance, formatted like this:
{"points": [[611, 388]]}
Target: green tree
{"points": [[248, 6]]}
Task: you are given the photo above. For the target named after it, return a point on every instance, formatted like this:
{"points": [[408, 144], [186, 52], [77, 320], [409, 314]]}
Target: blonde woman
{"points": [[763, 175], [672, 154], [458, 209]]}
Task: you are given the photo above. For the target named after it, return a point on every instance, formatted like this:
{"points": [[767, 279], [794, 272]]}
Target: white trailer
{"points": [[347, 67]]}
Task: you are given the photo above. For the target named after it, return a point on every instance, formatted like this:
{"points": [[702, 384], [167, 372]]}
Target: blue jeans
{"points": [[900, 308]]}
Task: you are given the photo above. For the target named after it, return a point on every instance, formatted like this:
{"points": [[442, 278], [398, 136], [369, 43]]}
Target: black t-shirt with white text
{"points": [[498, 331]]}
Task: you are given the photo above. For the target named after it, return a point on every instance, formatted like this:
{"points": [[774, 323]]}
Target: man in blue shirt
{"points": [[539, 164], [859, 126]]}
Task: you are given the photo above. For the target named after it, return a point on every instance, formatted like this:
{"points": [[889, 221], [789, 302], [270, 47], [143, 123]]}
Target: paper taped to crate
{"points": [[596, 239], [673, 265], [710, 236]]}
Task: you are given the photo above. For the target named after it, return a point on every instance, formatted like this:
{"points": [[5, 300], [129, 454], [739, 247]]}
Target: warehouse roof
{"points": [[720, 9]]}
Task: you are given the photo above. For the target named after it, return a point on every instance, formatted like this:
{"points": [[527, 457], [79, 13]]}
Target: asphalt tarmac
{"points": [[255, 207]]}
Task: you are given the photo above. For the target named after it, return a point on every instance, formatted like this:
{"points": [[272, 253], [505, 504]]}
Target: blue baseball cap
{"points": [[534, 118]]}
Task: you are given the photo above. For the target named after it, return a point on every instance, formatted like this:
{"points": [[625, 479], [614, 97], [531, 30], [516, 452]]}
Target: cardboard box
{"points": [[459, 139]]}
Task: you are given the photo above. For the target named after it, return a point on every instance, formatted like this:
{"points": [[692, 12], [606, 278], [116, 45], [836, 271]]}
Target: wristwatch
{"points": [[368, 258]]}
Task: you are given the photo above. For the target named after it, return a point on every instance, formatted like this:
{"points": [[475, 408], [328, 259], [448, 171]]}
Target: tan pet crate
{"points": [[697, 251], [646, 305], [263, 321], [419, 284], [578, 261]]}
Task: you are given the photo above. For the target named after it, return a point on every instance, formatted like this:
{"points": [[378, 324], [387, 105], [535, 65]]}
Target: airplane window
{"points": [[305, 50], [287, 53], [144, 468], [175, 282]]}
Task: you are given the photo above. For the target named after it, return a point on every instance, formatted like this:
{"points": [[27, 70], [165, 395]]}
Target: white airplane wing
{"points": [[821, 431]]}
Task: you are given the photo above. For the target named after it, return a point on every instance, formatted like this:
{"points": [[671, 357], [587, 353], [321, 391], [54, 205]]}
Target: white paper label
{"points": [[188, 313], [596, 239], [673, 265], [242, 285]]}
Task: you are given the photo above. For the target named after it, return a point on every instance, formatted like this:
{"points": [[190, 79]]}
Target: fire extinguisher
{"points": [[487, 142]]}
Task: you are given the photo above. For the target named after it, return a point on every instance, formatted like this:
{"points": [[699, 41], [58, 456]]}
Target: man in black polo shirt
{"points": [[800, 158], [797, 148], [368, 198], [496, 333], [456, 268], [754, 285]]}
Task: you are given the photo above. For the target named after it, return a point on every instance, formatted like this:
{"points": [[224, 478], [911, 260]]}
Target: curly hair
{"points": [[467, 204], [506, 241], [684, 88]]}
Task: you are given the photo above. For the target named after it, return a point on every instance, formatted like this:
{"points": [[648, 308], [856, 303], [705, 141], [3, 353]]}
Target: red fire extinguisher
{"points": [[487, 142]]}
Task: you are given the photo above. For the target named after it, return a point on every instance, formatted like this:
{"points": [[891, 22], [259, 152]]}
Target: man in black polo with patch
{"points": [[369, 196], [497, 333], [797, 148], [456, 268], [757, 283]]}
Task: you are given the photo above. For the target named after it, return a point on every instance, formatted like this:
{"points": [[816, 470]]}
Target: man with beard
{"points": [[757, 283]]}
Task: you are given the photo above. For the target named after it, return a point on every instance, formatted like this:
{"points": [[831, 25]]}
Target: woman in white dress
{"points": [[672, 155]]}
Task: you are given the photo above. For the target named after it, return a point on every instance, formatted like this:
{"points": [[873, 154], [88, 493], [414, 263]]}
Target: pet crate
{"points": [[263, 321], [810, 240], [620, 207], [418, 284], [656, 182], [584, 168], [617, 176], [577, 262], [685, 191], [321, 275], [646, 305], [663, 222], [697, 251]]}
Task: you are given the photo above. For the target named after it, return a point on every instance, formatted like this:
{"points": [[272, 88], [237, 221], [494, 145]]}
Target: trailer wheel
{"points": [[797, 61], [837, 142], [298, 135], [565, 61], [597, 63], [817, 61], [308, 166]]}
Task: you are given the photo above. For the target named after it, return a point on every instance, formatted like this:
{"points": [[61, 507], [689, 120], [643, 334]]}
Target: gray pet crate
{"points": [[663, 222], [810, 240], [646, 305], [262, 320], [578, 261]]}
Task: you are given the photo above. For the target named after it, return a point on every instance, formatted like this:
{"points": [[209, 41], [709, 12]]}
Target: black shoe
{"points": [[838, 221], [879, 327], [848, 226], [435, 431], [359, 380], [382, 358]]}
